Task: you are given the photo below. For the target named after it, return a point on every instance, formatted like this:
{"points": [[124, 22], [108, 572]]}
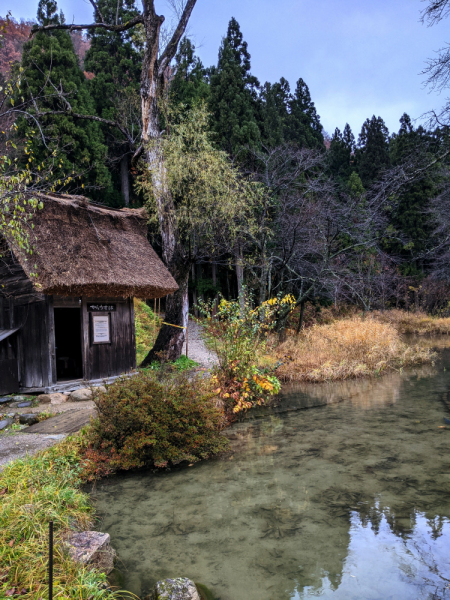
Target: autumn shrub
{"points": [[237, 334], [145, 421], [348, 348]]}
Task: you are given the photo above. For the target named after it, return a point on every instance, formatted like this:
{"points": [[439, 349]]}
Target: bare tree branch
{"points": [[123, 27], [98, 11], [435, 11], [172, 46]]}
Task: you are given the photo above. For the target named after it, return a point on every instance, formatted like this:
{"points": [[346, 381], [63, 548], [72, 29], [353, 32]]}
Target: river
{"points": [[349, 500]]}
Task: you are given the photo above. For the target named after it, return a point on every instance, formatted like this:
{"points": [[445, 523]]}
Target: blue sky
{"points": [[359, 57]]}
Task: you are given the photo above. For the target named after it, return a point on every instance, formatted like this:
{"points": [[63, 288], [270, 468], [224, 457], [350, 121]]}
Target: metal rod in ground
{"points": [[187, 338], [50, 561]]}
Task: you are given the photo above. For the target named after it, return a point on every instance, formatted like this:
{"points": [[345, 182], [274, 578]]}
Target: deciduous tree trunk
{"points": [[153, 83]]}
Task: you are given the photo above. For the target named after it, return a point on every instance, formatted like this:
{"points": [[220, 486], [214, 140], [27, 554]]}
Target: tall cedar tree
{"points": [[304, 126], [47, 59], [116, 65], [412, 217], [372, 155], [274, 112], [189, 84], [340, 154], [233, 95]]}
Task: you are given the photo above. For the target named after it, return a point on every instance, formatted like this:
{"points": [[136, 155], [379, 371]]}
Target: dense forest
{"points": [[331, 218]]}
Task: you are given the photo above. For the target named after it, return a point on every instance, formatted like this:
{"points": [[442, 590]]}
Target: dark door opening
{"points": [[69, 364]]}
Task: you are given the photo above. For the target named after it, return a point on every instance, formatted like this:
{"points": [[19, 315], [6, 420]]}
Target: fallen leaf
{"points": [[442, 427], [10, 592], [3, 491], [11, 543]]}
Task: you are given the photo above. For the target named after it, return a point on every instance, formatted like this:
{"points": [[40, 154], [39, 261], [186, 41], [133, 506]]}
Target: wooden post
{"points": [[50, 561], [154, 321]]}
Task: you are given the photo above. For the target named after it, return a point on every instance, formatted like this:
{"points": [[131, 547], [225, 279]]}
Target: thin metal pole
{"points": [[187, 338], [50, 561]]}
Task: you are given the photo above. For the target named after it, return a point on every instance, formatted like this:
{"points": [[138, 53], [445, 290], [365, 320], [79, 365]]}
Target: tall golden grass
{"points": [[345, 349], [414, 322]]}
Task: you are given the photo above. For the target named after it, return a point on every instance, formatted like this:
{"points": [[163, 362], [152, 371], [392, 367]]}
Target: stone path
{"points": [[196, 348], [20, 444], [74, 415], [56, 408], [68, 422]]}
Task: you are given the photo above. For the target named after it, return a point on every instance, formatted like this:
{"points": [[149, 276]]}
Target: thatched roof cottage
{"points": [[66, 312]]}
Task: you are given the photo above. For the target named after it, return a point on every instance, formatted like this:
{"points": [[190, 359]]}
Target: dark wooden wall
{"points": [[33, 346], [22, 306], [107, 360]]}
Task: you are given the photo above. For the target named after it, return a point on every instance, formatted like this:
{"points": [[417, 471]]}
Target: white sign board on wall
{"points": [[101, 329]]}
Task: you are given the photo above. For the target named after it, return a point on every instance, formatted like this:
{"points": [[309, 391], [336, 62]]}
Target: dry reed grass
{"points": [[417, 322], [346, 349]]}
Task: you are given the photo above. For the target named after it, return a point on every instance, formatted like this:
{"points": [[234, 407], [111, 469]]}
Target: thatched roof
{"points": [[82, 249]]}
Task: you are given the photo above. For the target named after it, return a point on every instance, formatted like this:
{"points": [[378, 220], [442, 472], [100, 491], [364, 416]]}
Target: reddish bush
{"points": [[146, 422]]}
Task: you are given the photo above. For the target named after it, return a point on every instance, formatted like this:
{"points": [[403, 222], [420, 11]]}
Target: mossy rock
{"points": [[175, 589]]}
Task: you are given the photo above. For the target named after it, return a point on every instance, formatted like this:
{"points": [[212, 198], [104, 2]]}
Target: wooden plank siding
{"points": [[33, 346], [108, 360]]}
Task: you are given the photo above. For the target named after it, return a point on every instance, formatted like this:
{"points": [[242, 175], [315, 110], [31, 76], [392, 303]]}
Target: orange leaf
{"points": [[11, 543]]}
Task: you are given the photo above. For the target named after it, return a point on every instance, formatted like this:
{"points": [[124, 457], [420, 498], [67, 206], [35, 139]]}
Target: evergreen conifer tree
{"points": [[274, 114], [233, 96], [372, 154], [411, 217], [189, 84], [304, 126], [115, 63], [340, 154], [348, 138], [49, 59]]}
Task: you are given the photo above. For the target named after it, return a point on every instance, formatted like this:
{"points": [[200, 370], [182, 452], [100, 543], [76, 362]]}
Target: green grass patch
{"points": [[147, 326], [34, 491]]}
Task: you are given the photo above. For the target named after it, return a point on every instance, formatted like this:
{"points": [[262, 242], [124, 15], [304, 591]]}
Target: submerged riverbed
{"points": [[349, 500]]}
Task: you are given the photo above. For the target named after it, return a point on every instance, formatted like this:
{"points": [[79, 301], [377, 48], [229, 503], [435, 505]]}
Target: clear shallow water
{"points": [[348, 500]]}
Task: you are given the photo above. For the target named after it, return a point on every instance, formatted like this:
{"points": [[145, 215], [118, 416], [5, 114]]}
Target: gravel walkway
{"points": [[55, 408], [197, 349], [21, 444]]}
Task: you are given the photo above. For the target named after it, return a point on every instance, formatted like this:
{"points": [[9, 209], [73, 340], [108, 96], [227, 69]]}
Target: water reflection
{"points": [[382, 563], [350, 500]]}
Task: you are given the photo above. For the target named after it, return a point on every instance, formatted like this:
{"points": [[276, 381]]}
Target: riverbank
{"points": [[33, 491], [355, 347]]}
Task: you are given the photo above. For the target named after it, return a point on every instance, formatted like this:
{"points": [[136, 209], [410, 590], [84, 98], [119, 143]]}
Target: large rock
{"points": [[52, 398], [6, 423], [19, 398], [23, 404], [100, 389], [92, 548], [5, 400], [175, 589], [28, 419], [80, 395]]}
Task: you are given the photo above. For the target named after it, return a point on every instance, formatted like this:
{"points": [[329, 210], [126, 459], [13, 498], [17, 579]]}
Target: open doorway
{"points": [[69, 364]]}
